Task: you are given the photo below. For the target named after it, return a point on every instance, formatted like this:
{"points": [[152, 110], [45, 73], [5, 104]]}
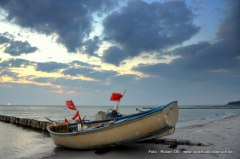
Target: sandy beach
{"points": [[222, 136]]}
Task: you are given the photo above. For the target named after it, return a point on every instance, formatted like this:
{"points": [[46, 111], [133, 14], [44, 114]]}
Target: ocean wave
{"points": [[198, 121]]}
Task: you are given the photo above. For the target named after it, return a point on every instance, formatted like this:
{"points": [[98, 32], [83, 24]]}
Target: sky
{"points": [[80, 50]]}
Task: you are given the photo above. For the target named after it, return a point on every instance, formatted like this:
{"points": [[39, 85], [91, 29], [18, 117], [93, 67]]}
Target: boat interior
{"points": [[102, 120]]}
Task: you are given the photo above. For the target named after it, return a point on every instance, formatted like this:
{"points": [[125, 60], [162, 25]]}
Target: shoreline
{"points": [[222, 136]]}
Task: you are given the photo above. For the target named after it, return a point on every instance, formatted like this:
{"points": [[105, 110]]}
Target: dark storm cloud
{"points": [[197, 61], [50, 66], [141, 26], [92, 45], [8, 35], [87, 72], [15, 63], [70, 20], [4, 39], [114, 55], [16, 48], [205, 61], [229, 28]]}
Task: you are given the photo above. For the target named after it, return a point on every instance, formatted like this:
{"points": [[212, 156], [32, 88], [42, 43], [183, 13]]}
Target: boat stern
{"points": [[170, 114]]}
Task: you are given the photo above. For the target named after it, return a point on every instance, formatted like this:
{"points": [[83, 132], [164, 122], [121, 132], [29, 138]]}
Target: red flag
{"points": [[66, 121], [76, 115], [70, 105], [116, 97], [80, 121]]}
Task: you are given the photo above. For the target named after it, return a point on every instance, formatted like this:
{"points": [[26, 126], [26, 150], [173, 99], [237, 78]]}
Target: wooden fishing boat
{"points": [[145, 125]]}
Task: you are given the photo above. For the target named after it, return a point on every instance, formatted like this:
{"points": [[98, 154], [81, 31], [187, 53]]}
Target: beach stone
{"points": [[0, 117], [12, 120], [170, 141], [194, 143], [183, 142]]}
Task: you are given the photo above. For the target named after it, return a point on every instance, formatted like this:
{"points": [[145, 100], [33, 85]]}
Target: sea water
{"points": [[22, 142]]}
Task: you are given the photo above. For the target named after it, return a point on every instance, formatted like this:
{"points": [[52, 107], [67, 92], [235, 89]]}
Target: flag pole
{"points": [[78, 113], [79, 118], [120, 99]]}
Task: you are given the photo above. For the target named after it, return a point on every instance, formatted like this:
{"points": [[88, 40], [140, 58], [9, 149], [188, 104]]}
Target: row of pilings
{"points": [[205, 107], [39, 125]]}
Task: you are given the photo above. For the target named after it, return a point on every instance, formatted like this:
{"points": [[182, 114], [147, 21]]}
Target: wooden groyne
{"points": [[205, 107], [39, 125]]}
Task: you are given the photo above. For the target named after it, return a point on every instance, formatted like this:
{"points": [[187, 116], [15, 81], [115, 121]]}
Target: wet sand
{"points": [[222, 136]]}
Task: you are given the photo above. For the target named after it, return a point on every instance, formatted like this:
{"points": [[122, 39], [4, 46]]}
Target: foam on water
{"points": [[184, 122]]}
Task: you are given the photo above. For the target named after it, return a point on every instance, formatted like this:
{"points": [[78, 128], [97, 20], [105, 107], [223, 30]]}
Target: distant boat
{"points": [[141, 126]]}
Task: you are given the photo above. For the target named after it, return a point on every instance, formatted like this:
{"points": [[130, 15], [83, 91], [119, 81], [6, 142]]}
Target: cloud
{"points": [[61, 91], [87, 72], [15, 63], [76, 71], [71, 21], [16, 48], [92, 45], [114, 55], [84, 64], [229, 28], [4, 39], [204, 61], [8, 73], [50, 66], [140, 26], [7, 34]]}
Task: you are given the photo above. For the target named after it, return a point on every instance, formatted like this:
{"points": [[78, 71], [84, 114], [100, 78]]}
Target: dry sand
{"points": [[222, 135]]}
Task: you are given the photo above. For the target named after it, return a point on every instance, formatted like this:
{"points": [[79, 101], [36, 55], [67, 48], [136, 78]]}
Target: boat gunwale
{"points": [[127, 121]]}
